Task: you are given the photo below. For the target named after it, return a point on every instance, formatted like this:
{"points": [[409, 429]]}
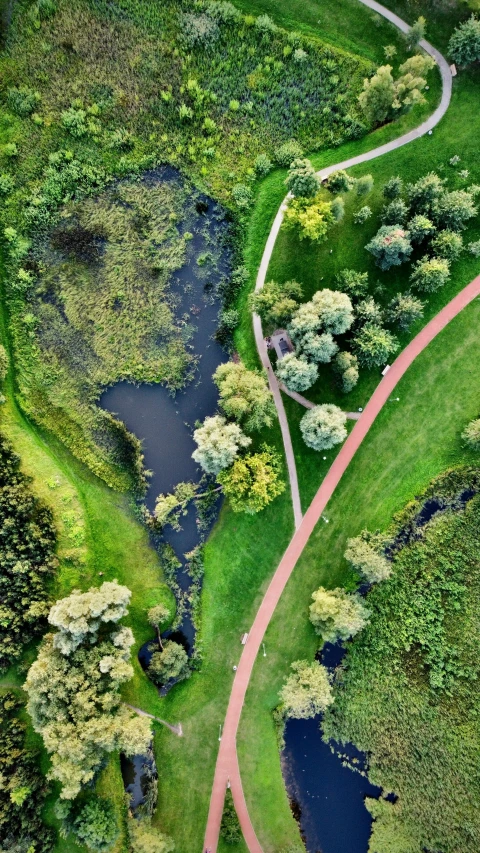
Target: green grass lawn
{"points": [[409, 443]]}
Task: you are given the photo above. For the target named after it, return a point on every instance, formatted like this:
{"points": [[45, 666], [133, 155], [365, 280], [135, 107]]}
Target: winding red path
{"points": [[227, 768], [227, 771]]}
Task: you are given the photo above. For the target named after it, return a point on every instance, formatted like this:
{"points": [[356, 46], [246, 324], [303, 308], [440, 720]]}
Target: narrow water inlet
{"points": [[136, 772]]}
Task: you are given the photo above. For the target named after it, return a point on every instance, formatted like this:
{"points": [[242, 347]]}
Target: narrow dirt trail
{"points": [[227, 771]]}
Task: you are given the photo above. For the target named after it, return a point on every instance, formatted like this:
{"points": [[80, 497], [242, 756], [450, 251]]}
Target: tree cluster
{"points": [[74, 687], [27, 558], [384, 98], [22, 788]]}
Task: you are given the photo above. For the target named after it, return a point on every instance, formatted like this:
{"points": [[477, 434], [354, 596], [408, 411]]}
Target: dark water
{"points": [[135, 776], [328, 797], [165, 422]]}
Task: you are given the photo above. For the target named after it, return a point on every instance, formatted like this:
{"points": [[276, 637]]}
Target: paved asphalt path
{"points": [[227, 770]]}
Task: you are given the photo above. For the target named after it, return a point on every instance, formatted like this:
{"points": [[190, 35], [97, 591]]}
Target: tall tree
{"points": [[218, 444], [244, 396]]}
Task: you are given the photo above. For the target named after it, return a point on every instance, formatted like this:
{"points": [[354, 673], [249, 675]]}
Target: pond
{"points": [[165, 422], [326, 795]]}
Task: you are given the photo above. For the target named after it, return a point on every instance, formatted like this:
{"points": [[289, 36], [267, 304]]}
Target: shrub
{"points": [[199, 30], [339, 182], [354, 283], [416, 33], [447, 244], [253, 481], [262, 165], [367, 559], [171, 663], [429, 274], [265, 25], [312, 217], [455, 209], [75, 122], [345, 365], [464, 45], [474, 249], [218, 443], [323, 427], [373, 345], [471, 434], [368, 311], [361, 216], [390, 247], [3, 364], [393, 188], [143, 837], [338, 209], [302, 179], [364, 185], [7, 184], [425, 194], [337, 615], [227, 323], [296, 373], [23, 101], [419, 228], [288, 152], [275, 303], [242, 196], [394, 213], [10, 149], [230, 829], [404, 310], [307, 690], [93, 823]]}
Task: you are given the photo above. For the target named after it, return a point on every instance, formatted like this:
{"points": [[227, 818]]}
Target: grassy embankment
{"points": [[411, 442]]}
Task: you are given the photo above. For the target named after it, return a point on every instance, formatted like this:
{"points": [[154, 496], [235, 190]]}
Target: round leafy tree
{"points": [[323, 427], [395, 212], [218, 444], [253, 481], [318, 348], [307, 690], [404, 310], [296, 373], [455, 209], [345, 365], [302, 179], [390, 247], [337, 615], [170, 663], [429, 274], [244, 396], [464, 45], [373, 345], [367, 559], [420, 227], [447, 244]]}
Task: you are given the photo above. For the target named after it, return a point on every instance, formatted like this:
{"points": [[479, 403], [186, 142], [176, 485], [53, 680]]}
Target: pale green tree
{"points": [[455, 209], [307, 691], [404, 309], [244, 396], [430, 274], [447, 244], [323, 426], [416, 33], [364, 554], [378, 95], [296, 373], [218, 443], [328, 311], [424, 195], [318, 348], [345, 365], [144, 838], [420, 227], [157, 616], [253, 481], [337, 615], [170, 663], [73, 688], [471, 434], [311, 217]]}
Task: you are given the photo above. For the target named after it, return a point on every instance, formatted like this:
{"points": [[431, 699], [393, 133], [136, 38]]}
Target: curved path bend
{"points": [[227, 770]]}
